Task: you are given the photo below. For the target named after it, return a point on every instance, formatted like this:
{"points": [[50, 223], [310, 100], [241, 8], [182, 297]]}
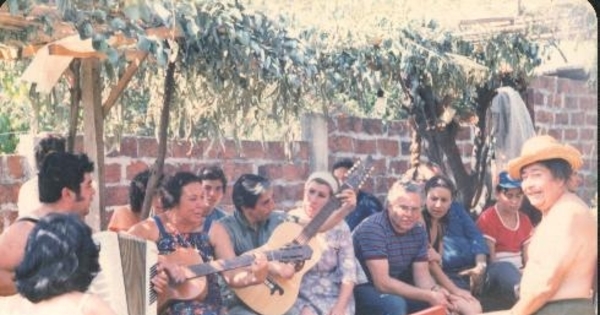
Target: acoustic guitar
{"points": [[277, 295], [194, 285]]}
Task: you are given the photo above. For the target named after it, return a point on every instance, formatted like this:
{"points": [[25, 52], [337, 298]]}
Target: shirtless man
{"points": [[65, 185], [563, 251]]}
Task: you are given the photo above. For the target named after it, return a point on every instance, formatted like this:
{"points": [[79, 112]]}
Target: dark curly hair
{"points": [[137, 190], [62, 170], [60, 257], [170, 192], [46, 145]]}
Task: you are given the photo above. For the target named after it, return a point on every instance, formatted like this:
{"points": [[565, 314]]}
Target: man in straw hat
{"points": [[560, 271]]}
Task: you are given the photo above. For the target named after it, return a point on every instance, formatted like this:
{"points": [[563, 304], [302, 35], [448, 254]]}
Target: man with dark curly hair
{"points": [[65, 185], [60, 262]]}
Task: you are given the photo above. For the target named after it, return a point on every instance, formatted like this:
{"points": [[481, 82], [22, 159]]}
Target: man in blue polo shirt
{"points": [[392, 249]]}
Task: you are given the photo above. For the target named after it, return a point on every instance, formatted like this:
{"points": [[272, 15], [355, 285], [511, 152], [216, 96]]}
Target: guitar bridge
{"points": [[273, 286], [299, 265]]}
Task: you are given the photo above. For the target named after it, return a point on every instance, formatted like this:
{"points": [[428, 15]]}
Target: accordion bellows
{"points": [[127, 264]]}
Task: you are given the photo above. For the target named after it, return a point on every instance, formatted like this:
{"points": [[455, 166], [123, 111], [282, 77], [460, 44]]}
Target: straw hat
{"points": [[326, 177], [541, 148]]}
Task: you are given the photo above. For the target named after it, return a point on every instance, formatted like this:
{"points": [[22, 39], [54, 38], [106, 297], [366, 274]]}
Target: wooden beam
{"points": [[116, 91], [60, 50], [93, 143]]}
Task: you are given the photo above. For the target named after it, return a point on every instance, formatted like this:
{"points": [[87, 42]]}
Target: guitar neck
{"points": [[229, 264], [318, 220]]}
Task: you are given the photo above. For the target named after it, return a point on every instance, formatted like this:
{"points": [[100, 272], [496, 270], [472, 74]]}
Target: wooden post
{"points": [[314, 131], [93, 142]]}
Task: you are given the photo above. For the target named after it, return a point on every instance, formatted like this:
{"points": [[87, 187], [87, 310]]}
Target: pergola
{"points": [[64, 55]]}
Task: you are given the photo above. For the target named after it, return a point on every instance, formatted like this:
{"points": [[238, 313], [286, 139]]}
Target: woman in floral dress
{"points": [[327, 288]]}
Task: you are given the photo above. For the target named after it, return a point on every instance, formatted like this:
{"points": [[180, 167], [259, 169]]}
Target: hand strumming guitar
{"points": [[167, 272]]}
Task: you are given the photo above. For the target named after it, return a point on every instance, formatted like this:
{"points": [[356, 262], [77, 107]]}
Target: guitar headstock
{"points": [[293, 253], [358, 174]]}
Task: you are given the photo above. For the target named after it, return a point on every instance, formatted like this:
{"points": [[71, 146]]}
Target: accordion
{"points": [[127, 264]]}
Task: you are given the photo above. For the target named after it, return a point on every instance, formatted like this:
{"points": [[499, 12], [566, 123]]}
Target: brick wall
{"points": [[563, 108]]}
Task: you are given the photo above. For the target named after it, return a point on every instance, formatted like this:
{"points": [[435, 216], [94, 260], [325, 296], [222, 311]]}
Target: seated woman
{"points": [[327, 287], [60, 262], [453, 234], [126, 216], [178, 232], [507, 232]]}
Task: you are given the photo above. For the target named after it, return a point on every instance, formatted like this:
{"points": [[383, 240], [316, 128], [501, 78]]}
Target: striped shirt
{"points": [[375, 238]]}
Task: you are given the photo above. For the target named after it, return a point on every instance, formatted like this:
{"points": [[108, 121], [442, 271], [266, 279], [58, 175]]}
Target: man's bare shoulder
{"points": [[12, 243]]}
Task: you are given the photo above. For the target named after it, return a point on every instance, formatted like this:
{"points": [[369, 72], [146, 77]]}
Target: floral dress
{"points": [[320, 287], [168, 242]]}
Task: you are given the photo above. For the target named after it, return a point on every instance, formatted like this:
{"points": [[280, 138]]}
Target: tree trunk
{"points": [[157, 169]]}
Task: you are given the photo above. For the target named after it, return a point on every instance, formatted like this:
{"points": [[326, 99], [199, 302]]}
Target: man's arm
{"points": [[242, 277], [12, 250], [379, 269]]}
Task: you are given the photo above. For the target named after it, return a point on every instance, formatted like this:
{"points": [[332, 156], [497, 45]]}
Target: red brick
{"points": [[148, 147], [556, 133], [539, 98], [543, 116], [253, 149], [129, 147], [233, 170], [372, 126], [550, 84], [134, 168], [226, 150], [276, 150], [365, 146], [14, 165], [398, 128], [571, 102], [588, 103], [571, 134], [349, 124], [591, 120], [564, 86], [579, 87], [588, 134], [577, 119], [116, 195], [112, 173], [341, 144], [561, 118], [398, 167], [291, 194], [287, 172], [179, 149], [387, 147], [9, 193], [301, 150]]}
